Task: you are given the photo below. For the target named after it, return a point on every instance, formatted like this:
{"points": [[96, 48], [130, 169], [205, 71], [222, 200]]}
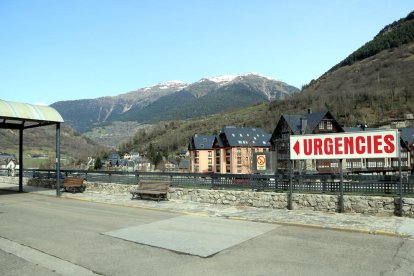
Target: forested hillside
{"points": [[393, 35], [174, 100], [374, 85], [75, 149]]}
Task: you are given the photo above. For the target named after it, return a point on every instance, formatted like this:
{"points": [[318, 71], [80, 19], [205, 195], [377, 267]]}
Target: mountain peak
{"points": [[168, 84], [223, 79], [173, 100]]}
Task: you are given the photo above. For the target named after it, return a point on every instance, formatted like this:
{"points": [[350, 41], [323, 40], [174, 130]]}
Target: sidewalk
{"points": [[393, 226]]}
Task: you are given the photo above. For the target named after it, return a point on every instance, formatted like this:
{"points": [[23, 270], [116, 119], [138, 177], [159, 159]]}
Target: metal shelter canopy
{"points": [[14, 115]]}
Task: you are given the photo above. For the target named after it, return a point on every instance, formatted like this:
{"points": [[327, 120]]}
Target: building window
{"points": [[228, 152], [239, 160], [322, 125], [228, 169], [210, 168], [218, 169], [210, 153], [353, 164], [372, 164], [329, 125], [210, 161], [218, 152], [228, 161], [238, 152], [196, 168], [239, 169]]}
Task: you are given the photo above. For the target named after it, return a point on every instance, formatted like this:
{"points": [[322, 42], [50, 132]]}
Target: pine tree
{"points": [[98, 164]]}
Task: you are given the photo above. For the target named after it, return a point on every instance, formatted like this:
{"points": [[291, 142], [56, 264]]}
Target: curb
{"points": [[339, 229]]}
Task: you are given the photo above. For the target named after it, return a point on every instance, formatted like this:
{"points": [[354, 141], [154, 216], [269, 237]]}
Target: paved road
{"points": [[41, 235]]}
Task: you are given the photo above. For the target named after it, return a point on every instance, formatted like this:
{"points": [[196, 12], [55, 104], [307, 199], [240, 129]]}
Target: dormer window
{"points": [[322, 125], [329, 125]]}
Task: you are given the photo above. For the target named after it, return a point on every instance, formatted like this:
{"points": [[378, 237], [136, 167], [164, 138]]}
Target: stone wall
{"points": [[14, 180], [43, 183], [109, 188], [375, 205], [314, 202]]}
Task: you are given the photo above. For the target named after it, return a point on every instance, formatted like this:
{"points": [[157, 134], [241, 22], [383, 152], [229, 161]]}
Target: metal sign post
{"points": [[400, 185], [341, 188], [290, 199]]}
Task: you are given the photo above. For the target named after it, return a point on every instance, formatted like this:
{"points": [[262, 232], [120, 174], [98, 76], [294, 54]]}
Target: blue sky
{"points": [[64, 50]]}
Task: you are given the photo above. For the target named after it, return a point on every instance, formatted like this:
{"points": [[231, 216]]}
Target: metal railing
{"points": [[324, 184]]}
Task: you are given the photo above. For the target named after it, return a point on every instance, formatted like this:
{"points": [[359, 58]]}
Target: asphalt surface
{"points": [[44, 235], [363, 223]]}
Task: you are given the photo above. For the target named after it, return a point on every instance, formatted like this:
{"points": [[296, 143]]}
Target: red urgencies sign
{"points": [[373, 144]]}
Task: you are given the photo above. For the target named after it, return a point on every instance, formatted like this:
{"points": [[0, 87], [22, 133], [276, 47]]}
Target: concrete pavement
{"points": [[378, 225], [109, 239]]}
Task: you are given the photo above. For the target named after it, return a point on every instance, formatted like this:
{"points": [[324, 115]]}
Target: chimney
{"points": [[303, 125], [309, 110]]}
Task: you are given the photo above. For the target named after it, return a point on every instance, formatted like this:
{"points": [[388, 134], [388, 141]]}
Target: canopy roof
{"points": [[22, 115]]}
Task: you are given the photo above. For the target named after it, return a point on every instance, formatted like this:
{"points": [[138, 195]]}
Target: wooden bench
{"points": [[73, 184], [151, 189]]}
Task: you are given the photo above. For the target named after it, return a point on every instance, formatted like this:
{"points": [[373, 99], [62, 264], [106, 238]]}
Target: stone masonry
{"points": [[374, 205]]}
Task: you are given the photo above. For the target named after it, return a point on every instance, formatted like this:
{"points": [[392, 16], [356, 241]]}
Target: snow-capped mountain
{"points": [[175, 100], [225, 79], [174, 84]]}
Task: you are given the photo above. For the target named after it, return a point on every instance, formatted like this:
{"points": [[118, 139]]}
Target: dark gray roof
{"points": [[184, 164], [304, 124], [218, 142], [5, 155], [294, 122], [357, 129], [244, 137], [114, 155], [407, 134], [313, 119], [199, 142]]}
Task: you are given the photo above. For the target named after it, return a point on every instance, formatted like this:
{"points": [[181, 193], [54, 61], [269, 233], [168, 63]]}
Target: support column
{"points": [[58, 159], [21, 159]]}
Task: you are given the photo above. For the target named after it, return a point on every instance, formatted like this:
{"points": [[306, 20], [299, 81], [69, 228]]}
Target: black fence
{"points": [[328, 184]]}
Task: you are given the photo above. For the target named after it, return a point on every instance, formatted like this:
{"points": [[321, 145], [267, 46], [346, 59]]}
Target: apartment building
{"points": [[228, 152], [234, 148]]}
